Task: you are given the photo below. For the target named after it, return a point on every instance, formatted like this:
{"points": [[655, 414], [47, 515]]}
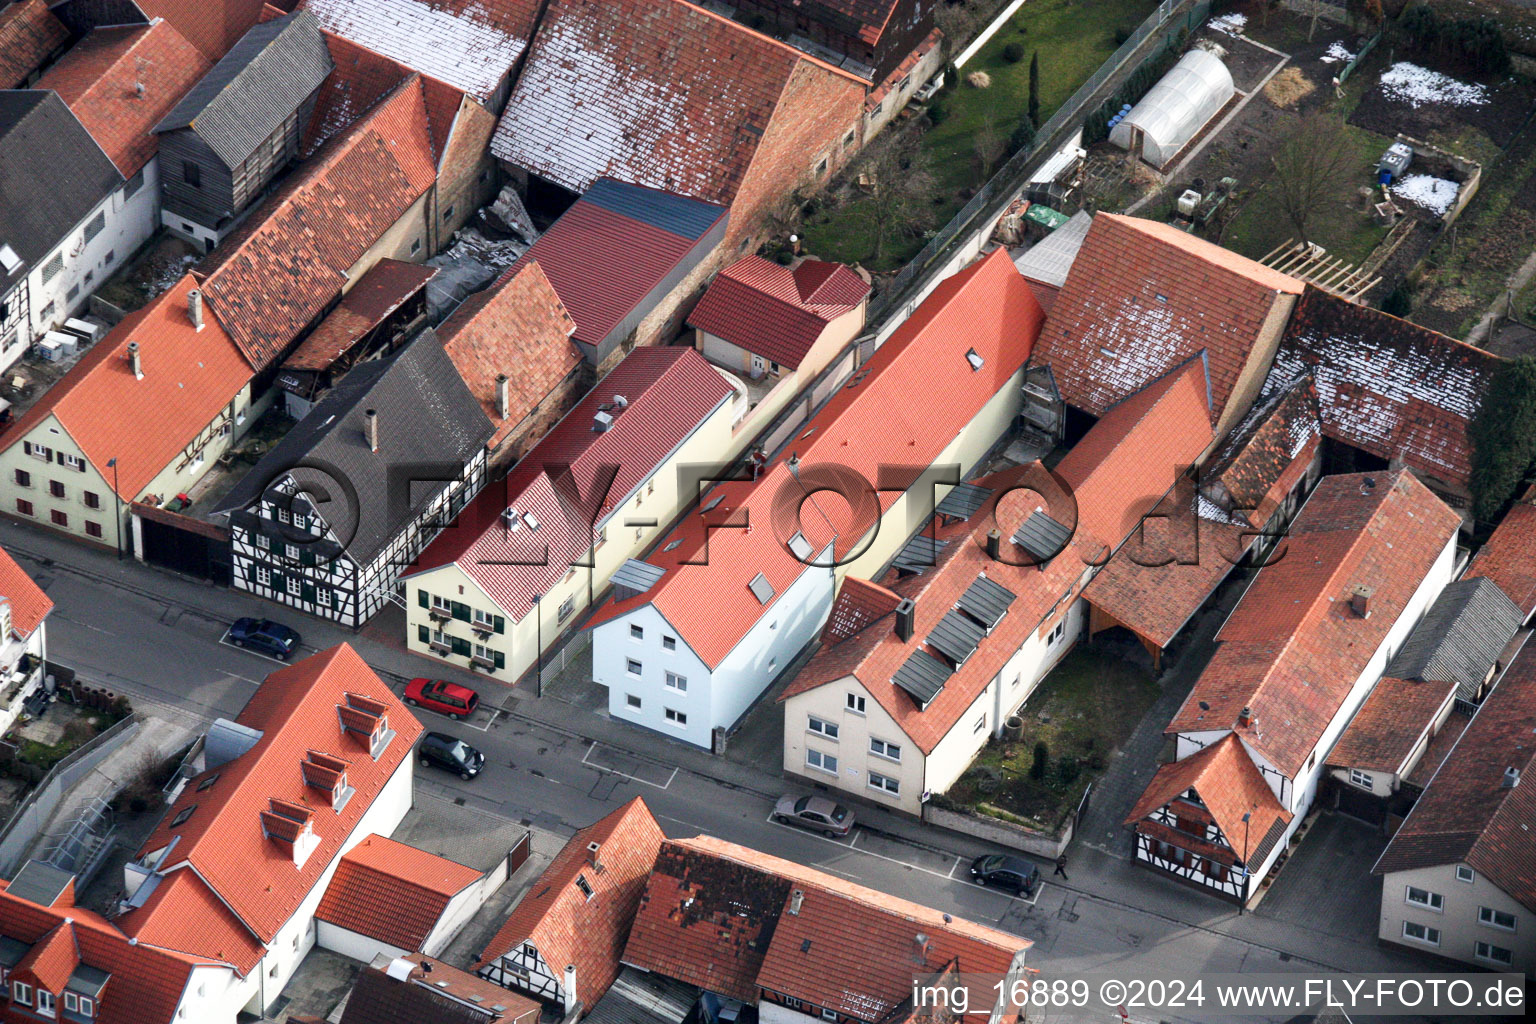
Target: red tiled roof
{"points": [[1228, 784], [99, 78], [147, 982], [189, 376], [1509, 556], [655, 92], [1293, 648], [516, 327], [51, 961], [1118, 472], [859, 603], [670, 391], [1141, 298], [1440, 746], [29, 33], [185, 915], [1396, 714], [1389, 387], [377, 294], [445, 996], [277, 273], [567, 927], [773, 311], [29, 605], [910, 400], [1262, 458], [599, 292], [213, 26], [392, 892], [724, 917], [296, 710], [1467, 815]]}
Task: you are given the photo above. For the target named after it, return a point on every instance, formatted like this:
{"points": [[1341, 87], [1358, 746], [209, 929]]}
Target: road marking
{"points": [[683, 821], [415, 708], [625, 775], [773, 819]]}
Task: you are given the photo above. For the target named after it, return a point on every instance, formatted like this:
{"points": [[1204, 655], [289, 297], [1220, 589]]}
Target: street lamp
{"points": [[117, 500], [538, 654], [1243, 898]]}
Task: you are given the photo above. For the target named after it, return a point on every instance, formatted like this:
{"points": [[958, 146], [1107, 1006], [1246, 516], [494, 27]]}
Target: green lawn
{"points": [[1072, 42], [1093, 701], [1343, 229]]}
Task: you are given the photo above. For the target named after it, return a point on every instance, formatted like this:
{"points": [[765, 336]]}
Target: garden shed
{"points": [[1175, 109]]}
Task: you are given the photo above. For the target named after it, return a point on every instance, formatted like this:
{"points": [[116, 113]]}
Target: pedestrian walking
{"points": [[1061, 867]]}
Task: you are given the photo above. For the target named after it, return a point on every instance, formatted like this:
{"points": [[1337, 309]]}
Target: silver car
{"points": [[816, 813]]}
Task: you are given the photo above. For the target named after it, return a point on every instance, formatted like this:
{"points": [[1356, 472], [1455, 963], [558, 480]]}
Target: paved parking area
{"points": [[1327, 885]]}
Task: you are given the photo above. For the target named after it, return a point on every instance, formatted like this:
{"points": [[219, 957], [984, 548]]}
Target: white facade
{"points": [[61, 282], [18, 683], [1453, 911]]}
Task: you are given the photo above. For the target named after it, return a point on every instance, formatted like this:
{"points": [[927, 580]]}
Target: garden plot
{"points": [[1414, 99]]}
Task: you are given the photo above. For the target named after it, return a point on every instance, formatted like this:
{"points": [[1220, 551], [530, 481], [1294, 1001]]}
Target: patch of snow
{"points": [[1211, 512], [1434, 194], [1418, 86], [1337, 53], [470, 50], [1231, 24]]}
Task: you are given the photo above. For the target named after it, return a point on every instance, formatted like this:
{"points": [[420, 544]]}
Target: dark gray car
{"points": [[264, 635], [1014, 874], [816, 813]]}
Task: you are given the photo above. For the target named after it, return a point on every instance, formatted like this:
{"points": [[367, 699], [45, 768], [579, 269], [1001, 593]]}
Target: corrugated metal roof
{"points": [[987, 601], [637, 575], [1043, 537], [674, 214], [1050, 259], [919, 554], [644, 997]]}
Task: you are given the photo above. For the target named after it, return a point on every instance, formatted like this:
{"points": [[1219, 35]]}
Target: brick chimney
{"points": [[1246, 717], [135, 361], [195, 308], [1360, 600], [371, 428]]}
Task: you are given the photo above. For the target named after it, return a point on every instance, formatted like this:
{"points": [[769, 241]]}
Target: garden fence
{"points": [[1000, 191], [1370, 44]]}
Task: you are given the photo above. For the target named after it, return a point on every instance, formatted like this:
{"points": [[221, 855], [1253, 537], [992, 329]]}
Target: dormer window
{"points": [[46, 1005], [328, 774], [83, 1006], [182, 816], [368, 720], [21, 992], [290, 825]]}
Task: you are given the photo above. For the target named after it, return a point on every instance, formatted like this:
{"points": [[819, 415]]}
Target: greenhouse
{"points": [[1175, 109]]}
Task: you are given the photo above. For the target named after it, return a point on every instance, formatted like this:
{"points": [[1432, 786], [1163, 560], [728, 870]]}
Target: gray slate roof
{"points": [[643, 997], [430, 426], [1461, 636], [52, 171], [264, 78]]}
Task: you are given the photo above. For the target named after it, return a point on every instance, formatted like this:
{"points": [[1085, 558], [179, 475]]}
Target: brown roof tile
{"points": [[213, 26], [1396, 714], [1509, 556], [29, 33], [392, 892], [1468, 815], [29, 605], [773, 311], [377, 294], [100, 78], [1142, 297]]}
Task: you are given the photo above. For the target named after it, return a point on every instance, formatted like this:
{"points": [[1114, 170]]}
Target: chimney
{"points": [[195, 308], [503, 396], [1246, 717], [1360, 600], [995, 545], [134, 360], [592, 849], [570, 989], [138, 90], [906, 611], [920, 950], [1511, 778], [371, 428], [796, 899]]}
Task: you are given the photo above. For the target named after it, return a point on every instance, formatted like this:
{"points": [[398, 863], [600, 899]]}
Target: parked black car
{"points": [[264, 635], [1015, 874], [439, 750]]}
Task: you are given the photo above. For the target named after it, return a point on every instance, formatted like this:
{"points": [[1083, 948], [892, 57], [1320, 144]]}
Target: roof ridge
{"points": [[790, 50]]}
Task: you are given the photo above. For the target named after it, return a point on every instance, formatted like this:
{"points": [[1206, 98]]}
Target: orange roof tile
{"points": [[392, 892], [183, 914], [1141, 298], [773, 311], [1292, 649], [913, 396], [29, 605], [1396, 714], [1509, 556], [516, 327], [1228, 784], [377, 294], [277, 273], [101, 79], [566, 926], [51, 961], [425, 997], [189, 377], [213, 26], [29, 33], [1118, 472], [297, 710]]}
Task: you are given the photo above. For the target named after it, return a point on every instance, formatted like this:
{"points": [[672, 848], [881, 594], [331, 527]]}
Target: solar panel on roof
{"points": [[986, 601], [964, 501], [922, 676], [1042, 536], [956, 636], [920, 554], [637, 576]]}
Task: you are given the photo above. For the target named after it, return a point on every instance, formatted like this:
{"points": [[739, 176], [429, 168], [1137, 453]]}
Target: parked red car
{"points": [[441, 696]]}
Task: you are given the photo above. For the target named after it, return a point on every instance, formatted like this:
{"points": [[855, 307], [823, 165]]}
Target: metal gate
{"points": [[181, 543]]}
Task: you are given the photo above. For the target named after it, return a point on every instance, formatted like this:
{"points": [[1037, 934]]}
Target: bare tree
{"points": [[957, 21], [1312, 10], [989, 144], [898, 187], [1310, 166]]}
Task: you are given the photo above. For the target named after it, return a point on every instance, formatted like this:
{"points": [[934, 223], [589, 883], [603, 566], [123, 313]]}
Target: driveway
{"points": [[1327, 885]]}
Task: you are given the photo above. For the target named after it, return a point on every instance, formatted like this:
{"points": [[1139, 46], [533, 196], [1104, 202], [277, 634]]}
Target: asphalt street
{"points": [[169, 659]]}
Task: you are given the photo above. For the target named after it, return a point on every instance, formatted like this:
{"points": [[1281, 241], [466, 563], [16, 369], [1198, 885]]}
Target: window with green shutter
{"points": [[500, 660], [460, 647], [423, 634], [423, 600], [499, 624], [460, 611]]}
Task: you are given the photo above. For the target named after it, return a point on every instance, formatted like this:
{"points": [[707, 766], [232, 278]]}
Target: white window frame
{"points": [[47, 1005], [676, 682], [442, 604], [1431, 901], [263, 576], [72, 461], [884, 784], [262, 542], [821, 727], [294, 586], [880, 748], [1424, 939], [855, 703], [634, 668], [668, 643], [21, 992], [323, 596], [1487, 916], [981, 723], [1478, 953], [636, 631], [675, 717], [1465, 874], [821, 762], [633, 702], [480, 618], [1361, 779]]}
